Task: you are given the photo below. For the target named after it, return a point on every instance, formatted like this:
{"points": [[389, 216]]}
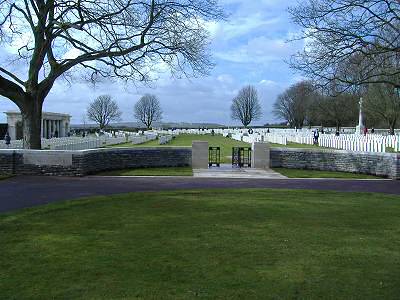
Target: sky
{"points": [[250, 47]]}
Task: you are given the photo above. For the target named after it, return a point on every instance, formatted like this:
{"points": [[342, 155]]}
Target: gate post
{"points": [[260, 156], [199, 154]]}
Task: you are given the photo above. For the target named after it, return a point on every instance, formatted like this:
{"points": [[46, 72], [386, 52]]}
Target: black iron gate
{"points": [[241, 157], [214, 156]]}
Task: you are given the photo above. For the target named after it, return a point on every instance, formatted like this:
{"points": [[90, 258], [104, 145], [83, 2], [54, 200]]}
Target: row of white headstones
{"points": [[351, 142], [87, 142]]}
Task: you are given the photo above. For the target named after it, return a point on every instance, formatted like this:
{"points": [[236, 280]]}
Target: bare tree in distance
{"points": [[382, 102], [148, 110], [245, 106], [348, 35], [124, 39], [103, 110], [293, 104]]}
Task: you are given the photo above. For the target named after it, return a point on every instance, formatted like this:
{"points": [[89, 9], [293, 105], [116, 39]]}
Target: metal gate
{"points": [[241, 157], [214, 156]]}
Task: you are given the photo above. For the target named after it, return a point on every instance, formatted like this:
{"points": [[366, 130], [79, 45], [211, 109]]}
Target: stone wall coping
{"points": [[394, 155], [82, 152], [78, 152]]}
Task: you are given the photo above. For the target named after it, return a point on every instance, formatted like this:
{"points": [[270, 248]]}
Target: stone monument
{"points": [[360, 126], [53, 124]]}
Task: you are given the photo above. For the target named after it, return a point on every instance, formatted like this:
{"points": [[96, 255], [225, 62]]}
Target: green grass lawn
{"points": [[3, 177], [296, 145], [390, 150], [185, 140], [300, 173], [210, 244], [178, 171]]}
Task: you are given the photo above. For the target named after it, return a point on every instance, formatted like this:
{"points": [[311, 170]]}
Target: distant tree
{"points": [[293, 105], [382, 101], [148, 110], [245, 106], [103, 110], [338, 111]]}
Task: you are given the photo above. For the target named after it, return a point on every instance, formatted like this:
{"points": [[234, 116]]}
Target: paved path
{"points": [[20, 192], [227, 171]]}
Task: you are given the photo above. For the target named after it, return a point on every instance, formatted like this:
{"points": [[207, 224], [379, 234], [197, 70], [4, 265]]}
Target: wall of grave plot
{"points": [[380, 164], [84, 162]]}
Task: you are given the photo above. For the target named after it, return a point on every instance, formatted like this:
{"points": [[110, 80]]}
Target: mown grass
{"points": [[296, 145], [301, 173], [170, 171], [210, 244]]}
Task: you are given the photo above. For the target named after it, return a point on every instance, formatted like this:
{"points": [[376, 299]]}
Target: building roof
{"points": [[44, 114]]}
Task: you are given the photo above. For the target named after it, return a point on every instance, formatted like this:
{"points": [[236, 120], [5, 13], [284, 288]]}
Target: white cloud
{"points": [[249, 49]]}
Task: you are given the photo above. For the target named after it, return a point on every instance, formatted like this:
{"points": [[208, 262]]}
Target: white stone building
{"points": [[53, 124]]}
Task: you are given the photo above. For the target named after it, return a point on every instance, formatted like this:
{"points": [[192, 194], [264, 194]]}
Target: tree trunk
{"points": [[392, 126], [32, 123]]}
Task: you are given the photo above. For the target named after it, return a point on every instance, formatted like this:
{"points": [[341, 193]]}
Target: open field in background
{"points": [[226, 244], [185, 140], [300, 173]]}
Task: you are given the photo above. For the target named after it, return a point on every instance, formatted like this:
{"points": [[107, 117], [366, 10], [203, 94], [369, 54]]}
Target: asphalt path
{"points": [[25, 191]]}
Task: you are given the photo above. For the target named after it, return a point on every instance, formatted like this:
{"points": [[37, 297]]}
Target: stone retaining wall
{"points": [[380, 164], [84, 162]]}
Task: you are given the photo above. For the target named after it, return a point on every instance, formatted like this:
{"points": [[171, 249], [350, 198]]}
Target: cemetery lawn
{"points": [[300, 173], [170, 171], [296, 145], [208, 244], [185, 140]]}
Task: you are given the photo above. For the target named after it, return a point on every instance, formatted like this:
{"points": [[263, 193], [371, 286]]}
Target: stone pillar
{"points": [[200, 155], [12, 128], [47, 128], [260, 156], [41, 129], [62, 128], [58, 127], [52, 126]]}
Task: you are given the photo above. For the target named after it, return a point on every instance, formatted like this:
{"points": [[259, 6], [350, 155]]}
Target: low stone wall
{"points": [[84, 162], [380, 164]]}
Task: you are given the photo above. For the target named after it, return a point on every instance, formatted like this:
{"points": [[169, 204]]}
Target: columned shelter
{"points": [[53, 125]]}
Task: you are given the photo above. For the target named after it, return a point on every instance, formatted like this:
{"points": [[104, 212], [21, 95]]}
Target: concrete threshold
{"points": [[227, 171]]}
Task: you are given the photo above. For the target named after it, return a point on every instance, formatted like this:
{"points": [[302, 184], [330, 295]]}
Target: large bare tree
{"points": [[346, 35], [103, 110], [148, 110], [103, 38], [245, 106]]}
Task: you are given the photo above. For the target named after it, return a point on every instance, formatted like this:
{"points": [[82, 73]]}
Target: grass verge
{"points": [[300, 173], [170, 171], [209, 244]]}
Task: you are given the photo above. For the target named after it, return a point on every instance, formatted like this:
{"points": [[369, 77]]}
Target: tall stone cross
{"points": [[360, 126]]}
